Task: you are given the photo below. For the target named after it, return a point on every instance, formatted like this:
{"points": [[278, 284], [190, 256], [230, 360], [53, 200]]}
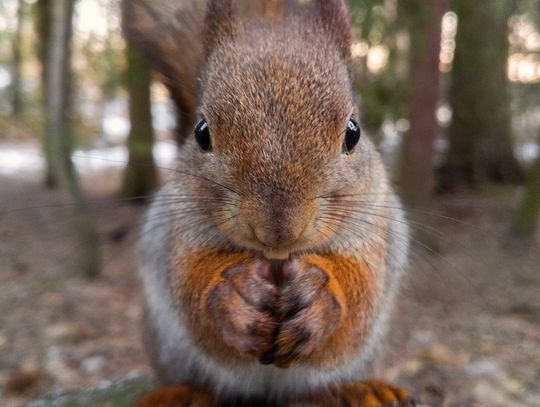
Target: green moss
{"points": [[120, 393]]}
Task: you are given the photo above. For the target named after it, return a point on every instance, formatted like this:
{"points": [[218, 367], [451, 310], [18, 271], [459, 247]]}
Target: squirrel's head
{"points": [[278, 130]]}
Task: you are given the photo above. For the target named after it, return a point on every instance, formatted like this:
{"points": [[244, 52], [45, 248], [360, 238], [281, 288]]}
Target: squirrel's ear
{"points": [[334, 16], [221, 23]]}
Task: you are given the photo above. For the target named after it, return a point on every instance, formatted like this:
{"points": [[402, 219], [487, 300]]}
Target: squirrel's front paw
{"points": [[371, 393], [242, 306], [178, 396], [374, 393], [308, 313]]}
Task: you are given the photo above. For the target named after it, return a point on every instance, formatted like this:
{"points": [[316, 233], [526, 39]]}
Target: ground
{"points": [[465, 331]]}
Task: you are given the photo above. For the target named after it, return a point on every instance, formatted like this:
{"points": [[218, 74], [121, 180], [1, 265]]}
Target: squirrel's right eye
{"points": [[202, 135], [352, 136]]}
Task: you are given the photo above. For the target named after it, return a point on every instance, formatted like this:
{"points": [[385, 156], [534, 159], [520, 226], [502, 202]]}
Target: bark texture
{"points": [[481, 142], [140, 177], [417, 166]]}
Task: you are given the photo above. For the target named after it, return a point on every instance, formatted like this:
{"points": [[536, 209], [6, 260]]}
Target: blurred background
{"points": [[449, 92]]}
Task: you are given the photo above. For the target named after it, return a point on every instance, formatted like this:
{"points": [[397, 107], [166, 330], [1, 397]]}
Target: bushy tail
{"points": [[170, 34]]}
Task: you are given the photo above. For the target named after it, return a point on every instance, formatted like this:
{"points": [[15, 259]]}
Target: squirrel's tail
{"points": [[170, 34]]}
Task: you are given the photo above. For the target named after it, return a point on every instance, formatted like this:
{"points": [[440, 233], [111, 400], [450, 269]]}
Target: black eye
{"points": [[202, 135], [352, 136]]}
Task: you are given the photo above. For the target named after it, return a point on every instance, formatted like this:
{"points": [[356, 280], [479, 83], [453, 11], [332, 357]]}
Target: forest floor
{"points": [[466, 329]]}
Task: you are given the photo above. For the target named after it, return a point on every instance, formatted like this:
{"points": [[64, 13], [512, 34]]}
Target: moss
{"points": [[120, 393]]}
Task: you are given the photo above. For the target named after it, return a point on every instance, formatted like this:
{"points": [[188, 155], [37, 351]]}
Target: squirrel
{"points": [[272, 257]]}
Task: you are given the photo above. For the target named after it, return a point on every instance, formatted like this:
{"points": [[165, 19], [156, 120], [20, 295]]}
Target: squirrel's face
{"points": [[277, 133]]}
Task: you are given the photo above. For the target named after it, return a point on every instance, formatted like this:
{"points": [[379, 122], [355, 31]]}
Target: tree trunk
{"points": [[417, 152], [481, 144], [417, 166], [528, 215], [140, 176], [16, 90], [42, 29], [43, 32], [57, 131]]}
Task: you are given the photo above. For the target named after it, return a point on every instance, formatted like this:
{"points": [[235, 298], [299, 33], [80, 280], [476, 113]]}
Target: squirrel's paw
{"points": [[371, 393], [308, 314], [374, 393], [243, 307], [178, 396]]}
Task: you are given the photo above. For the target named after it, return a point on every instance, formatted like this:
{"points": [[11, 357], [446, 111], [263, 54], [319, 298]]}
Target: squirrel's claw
{"points": [[375, 393]]}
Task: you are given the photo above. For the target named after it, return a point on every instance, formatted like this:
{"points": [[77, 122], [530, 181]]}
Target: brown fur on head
{"points": [[276, 94], [224, 19]]}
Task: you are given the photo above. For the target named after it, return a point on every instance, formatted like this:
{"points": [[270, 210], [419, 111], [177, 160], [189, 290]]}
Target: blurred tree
{"points": [[16, 89], [42, 28], [58, 132], [140, 176], [43, 15], [528, 215], [424, 27], [480, 137]]}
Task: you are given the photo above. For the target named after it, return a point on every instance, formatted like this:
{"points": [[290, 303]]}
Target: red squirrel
{"points": [[272, 257]]}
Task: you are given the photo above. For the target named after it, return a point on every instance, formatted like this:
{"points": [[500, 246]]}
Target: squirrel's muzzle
{"points": [[283, 226]]}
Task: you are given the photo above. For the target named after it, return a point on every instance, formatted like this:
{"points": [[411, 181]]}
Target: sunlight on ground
{"points": [[27, 158]]}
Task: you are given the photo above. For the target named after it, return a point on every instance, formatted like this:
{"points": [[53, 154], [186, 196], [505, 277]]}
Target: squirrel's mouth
{"points": [[303, 243], [278, 243], [277, 254]]}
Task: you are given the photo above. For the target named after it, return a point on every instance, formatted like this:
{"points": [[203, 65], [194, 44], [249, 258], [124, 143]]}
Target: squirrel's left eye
{"points": [[202, 135], [352, 136]]}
